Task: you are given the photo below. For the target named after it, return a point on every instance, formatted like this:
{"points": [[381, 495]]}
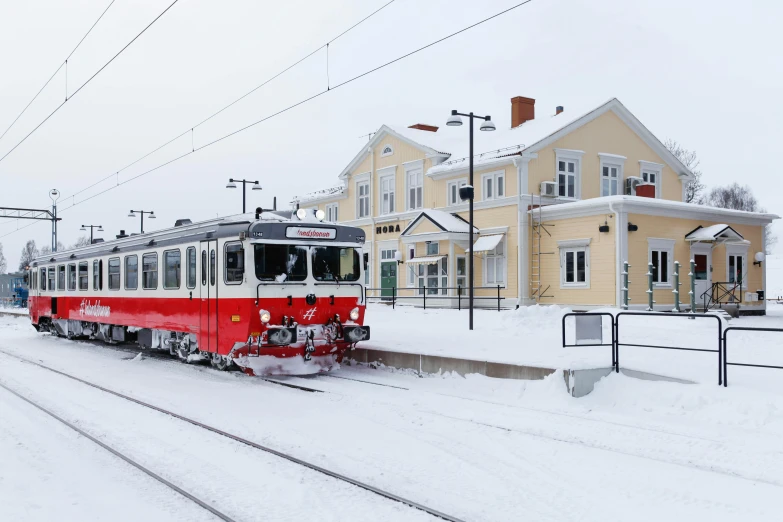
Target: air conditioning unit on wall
{"points": [[630, 185], [549, 189]]}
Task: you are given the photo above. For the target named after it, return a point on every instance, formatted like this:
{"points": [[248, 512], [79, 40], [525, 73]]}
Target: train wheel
{"points": [[221, 362]]}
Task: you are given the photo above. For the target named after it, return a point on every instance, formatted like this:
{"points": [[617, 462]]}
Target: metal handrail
{"points": [[394, 297]]}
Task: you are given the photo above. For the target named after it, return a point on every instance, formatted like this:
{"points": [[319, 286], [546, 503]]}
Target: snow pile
{"points": [[774, 276]]}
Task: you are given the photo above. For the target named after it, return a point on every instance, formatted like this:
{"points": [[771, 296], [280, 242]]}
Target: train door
{"points": [[208, 336]]}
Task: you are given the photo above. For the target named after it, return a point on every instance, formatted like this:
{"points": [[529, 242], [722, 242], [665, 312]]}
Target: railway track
{"points": [[218, 431]]}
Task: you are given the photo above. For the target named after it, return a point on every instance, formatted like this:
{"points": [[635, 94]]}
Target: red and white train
{"points": [[278, 294]]}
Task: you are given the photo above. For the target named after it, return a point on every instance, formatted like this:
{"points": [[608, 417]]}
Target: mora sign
{"points": [[310, 233]]}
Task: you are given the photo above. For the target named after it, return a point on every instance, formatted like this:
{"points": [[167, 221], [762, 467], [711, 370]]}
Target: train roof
{"points": [[269, 225]]}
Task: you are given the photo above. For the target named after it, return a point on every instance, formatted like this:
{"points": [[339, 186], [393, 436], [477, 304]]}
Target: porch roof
{"points": [[427, 260], [721, 232]]}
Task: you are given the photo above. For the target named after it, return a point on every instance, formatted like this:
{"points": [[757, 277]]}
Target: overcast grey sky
{"points": [[706, 73]]}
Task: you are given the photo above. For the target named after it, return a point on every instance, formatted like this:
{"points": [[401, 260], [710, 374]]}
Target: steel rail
{"points": [[290, 458], [121, 456]]}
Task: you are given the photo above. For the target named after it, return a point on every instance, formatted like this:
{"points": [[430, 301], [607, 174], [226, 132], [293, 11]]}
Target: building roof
{"points": [[446, 221], [713, 233], [651, 206]]}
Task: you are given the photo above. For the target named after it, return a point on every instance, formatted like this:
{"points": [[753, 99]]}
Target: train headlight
{"points": [[281, 336], [354, 315], [301, 214], [265, 316]]}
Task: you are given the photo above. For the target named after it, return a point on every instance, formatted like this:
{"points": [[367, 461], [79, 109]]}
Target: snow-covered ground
{"points": [[477, 448]]}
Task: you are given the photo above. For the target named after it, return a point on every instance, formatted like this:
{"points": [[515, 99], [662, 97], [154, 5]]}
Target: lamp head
{"points": [[487, 125], [152, 215], [454, 120], [131, 214]]}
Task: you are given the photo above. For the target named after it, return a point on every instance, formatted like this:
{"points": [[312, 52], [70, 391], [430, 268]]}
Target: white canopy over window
{"points": [[428, 260], [487, 243]]}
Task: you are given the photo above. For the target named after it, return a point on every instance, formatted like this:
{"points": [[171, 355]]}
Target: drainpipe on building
{"points": [[618, 254], [520, 239], [372, 216]]}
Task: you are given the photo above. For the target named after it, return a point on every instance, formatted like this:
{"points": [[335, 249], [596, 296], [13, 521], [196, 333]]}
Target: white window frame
{"points": [[572, 156], [457, 183], [416, 167], [493, 176], [360, 197], [737, 251], [574, 246], [610, 161], [662, 245], [331, 212], [391, 179], [652, 168], [412, 269], [498, 260]]}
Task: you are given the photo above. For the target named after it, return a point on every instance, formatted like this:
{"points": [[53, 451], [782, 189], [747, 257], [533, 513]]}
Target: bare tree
{"points": [[3, 262], [45, 251], [29, 252], [737, 197], [81, 242], [695, 188]]}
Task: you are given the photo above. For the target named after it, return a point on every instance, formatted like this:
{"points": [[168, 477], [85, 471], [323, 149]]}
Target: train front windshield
{"points": [[335, 263]]}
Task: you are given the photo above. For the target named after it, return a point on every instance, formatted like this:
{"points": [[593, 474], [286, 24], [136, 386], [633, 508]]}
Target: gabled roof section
{"points": [[445, 221], [406, 136], [720, 232]]}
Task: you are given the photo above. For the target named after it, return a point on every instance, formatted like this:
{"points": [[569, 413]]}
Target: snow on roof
{"points": [[713, 232], [653, 203], [319, 194], [447, 221]]}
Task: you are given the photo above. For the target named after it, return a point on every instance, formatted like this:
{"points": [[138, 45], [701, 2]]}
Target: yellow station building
{"points": [[561, 202]]}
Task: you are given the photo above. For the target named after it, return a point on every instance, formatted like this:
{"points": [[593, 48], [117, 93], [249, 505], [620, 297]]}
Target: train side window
{"points": [[131, 272], [61, 277], [191, 255], [83, 277], [72, 276], [114, 273], [172, 269], [203, 268], [97, 274], [43, 279], [149, 271], [234, 260], [51, 278], [212, 267]]}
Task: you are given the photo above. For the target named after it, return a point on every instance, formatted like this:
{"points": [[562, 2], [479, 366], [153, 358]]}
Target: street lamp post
{"points": [[133, 213], [54, 195], [91, 227], [232, 185], [469, 192]]}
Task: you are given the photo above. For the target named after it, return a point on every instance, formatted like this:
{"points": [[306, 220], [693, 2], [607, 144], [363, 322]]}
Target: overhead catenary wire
{"points": [[82, 86], [293, 106], [64, 63]]}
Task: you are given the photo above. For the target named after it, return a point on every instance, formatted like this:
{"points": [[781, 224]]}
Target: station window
{"points": [[61, 277], [191, 254], [172, 266], [114, 273], [84, 279], [149, 271], [43, 279], [131, 272], [235, 263]]}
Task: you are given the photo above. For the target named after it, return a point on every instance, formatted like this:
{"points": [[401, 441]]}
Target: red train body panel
{"points": [[272, 295]]}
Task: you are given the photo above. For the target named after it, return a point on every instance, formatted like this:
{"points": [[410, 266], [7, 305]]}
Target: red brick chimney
{"points": [[424, 127], [522, 110]]}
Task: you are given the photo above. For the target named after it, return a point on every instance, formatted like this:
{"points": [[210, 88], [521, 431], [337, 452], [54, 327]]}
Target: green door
{"points": [[388, 278]]}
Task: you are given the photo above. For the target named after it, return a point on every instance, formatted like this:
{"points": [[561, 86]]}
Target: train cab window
{"points": [[72, 276], [114, 273], [51, 278], [235, 263], [212, 267], [84, 279], [131, 272], [43, 279], [280, 262], [149, 271], [97, 274], [172, 269], [191, 258], [61, 277], [336, 263]]}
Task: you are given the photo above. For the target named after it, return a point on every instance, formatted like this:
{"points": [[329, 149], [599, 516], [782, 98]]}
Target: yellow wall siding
{"points": [[601, 261], [677, 228], [424, 226], [403, 153], [605, 134]]}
